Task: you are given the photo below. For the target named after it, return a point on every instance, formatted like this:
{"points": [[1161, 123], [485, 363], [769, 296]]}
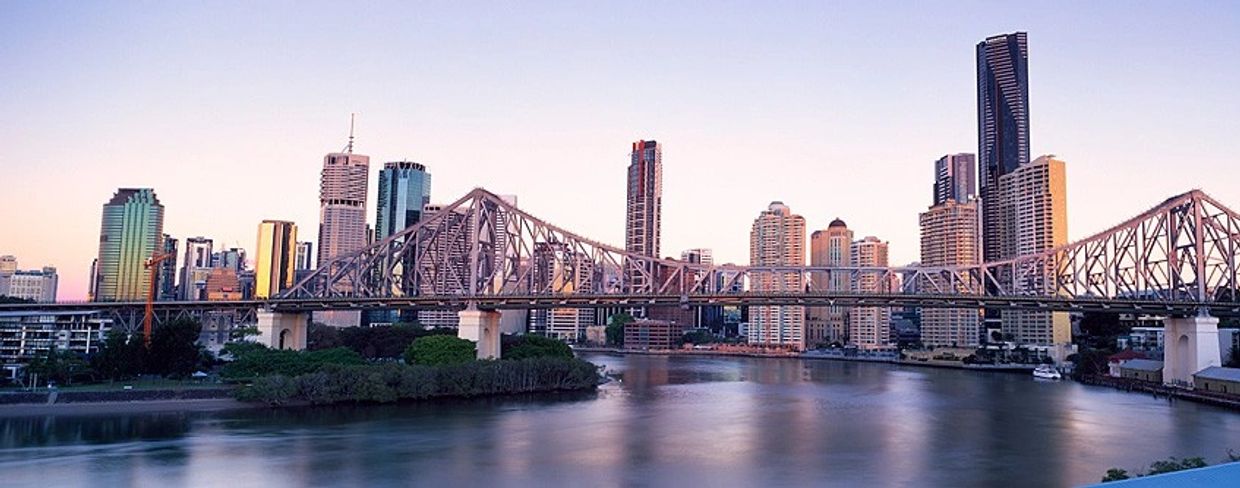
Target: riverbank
{"points": [[1163, 391], [1016, 368], [122, 407]]}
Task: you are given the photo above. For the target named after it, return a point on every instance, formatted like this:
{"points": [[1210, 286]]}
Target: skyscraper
{"points": [[561, 269], [274, 266], [955, 178], [305, 251], [342, 216], [132, 230], [195, 267], [645, 203], [870, 326], [342, 204], [1035, 195], [168, 270], [404, 190], [777, 238], [949, 238], [1002, 127]]}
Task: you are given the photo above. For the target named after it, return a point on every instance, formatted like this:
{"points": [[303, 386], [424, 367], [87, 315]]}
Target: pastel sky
{"points": [[837, 109]]}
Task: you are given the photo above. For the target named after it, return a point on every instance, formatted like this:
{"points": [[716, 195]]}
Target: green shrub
{"points": [[533, 346], [440, 349]]}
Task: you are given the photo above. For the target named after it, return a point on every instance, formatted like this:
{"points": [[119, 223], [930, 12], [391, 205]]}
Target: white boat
{"points": [[1046, 371]]}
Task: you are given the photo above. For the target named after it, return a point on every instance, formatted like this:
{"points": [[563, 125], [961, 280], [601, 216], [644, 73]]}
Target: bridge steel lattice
{"points": [[1179, 257]]}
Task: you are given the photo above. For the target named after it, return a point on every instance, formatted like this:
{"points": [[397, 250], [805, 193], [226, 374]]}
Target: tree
{"points": [[321, 336], [698, 336], [60, 366], [385, 341], [439, 350], [615, 328], [1115, 474], [121, 356], [9, 299], [1089, 362], [1099, 329], [1234, 362], [174, 349], [1173, 464], [533, 346]]}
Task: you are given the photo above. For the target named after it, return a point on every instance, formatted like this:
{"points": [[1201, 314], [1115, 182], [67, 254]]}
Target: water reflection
{"points": [[664, 421]]}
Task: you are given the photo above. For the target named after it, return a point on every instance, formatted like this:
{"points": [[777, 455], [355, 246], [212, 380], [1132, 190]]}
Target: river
{"points": [[667, 421]]}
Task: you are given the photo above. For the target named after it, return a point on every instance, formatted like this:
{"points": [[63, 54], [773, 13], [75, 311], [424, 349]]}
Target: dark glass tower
{"points": [[1002, 127]]}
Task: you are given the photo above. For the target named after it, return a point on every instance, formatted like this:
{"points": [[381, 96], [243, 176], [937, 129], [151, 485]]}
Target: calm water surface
{"points": [[679, 421]]}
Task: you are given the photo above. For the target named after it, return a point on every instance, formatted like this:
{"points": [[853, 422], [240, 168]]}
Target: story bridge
{"points": [[481, 254]]}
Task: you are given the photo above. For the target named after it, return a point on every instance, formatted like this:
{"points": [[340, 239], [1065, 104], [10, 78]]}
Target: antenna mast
{"points": [[349, 148]]}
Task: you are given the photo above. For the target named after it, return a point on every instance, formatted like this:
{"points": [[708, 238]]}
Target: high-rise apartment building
{"points": [[949, 238], [132, 230], [955, 178], [274, 267], [829, 247], [1002, 127], [777, 238], [404, 190], [644, 210], [446, 252], [195, 267], [1035, 196], [870, 326], [698, 256]]}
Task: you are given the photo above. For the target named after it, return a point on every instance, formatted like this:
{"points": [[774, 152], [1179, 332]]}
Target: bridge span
{"points": [[481, 254]]}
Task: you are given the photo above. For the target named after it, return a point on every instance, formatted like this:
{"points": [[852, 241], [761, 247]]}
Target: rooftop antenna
{"points": [[349, 148]]}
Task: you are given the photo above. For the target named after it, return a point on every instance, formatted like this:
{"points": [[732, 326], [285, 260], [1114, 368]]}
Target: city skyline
{"points": [[707, 162]]}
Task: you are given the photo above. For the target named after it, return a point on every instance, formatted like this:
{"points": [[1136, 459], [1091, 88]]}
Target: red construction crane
{"points": [[152, 264]]}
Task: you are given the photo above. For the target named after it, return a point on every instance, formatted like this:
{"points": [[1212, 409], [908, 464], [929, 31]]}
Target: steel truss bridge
{"points": [[1177, 258]]}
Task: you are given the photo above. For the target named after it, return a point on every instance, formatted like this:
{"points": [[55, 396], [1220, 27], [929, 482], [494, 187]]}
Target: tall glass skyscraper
{"points": [[644, 212], [1002, 127], [404, 189], [132, 231], [168, 270]]}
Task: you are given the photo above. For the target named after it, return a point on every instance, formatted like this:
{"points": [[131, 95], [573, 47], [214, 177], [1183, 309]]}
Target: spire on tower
{"points": [[349, 148]]}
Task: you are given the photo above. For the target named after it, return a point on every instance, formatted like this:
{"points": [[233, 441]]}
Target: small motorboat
{"points": [[1047, 372]]}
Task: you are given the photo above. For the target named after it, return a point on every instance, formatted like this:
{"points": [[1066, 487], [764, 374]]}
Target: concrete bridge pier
{"points": [[283, 330], [482, 327], [1190, 344]]}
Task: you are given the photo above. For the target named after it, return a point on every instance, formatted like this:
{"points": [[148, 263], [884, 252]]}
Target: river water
{"points": [[667, 421]]}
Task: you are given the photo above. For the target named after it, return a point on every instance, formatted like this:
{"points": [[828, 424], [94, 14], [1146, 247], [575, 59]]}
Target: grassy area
{"points": [[143, 384]]}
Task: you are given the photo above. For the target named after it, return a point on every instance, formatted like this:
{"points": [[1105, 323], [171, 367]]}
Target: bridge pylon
{"points": [[1190, 344], [482, 327], [283, 330]]}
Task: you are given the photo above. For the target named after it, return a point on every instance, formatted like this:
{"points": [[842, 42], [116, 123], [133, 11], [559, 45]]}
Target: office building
{"points": [[132, 230], [1002, 128], [955, 178], [777, 238], [232, 258], [949, 238], [8, 264], [559, 269], [305, 253], [195, 266], [404, 190], [342, 204], [870, 327], [274, 268], [222, 284], [342, 217], [1035, 198], [168, 271], [35, 285]]}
